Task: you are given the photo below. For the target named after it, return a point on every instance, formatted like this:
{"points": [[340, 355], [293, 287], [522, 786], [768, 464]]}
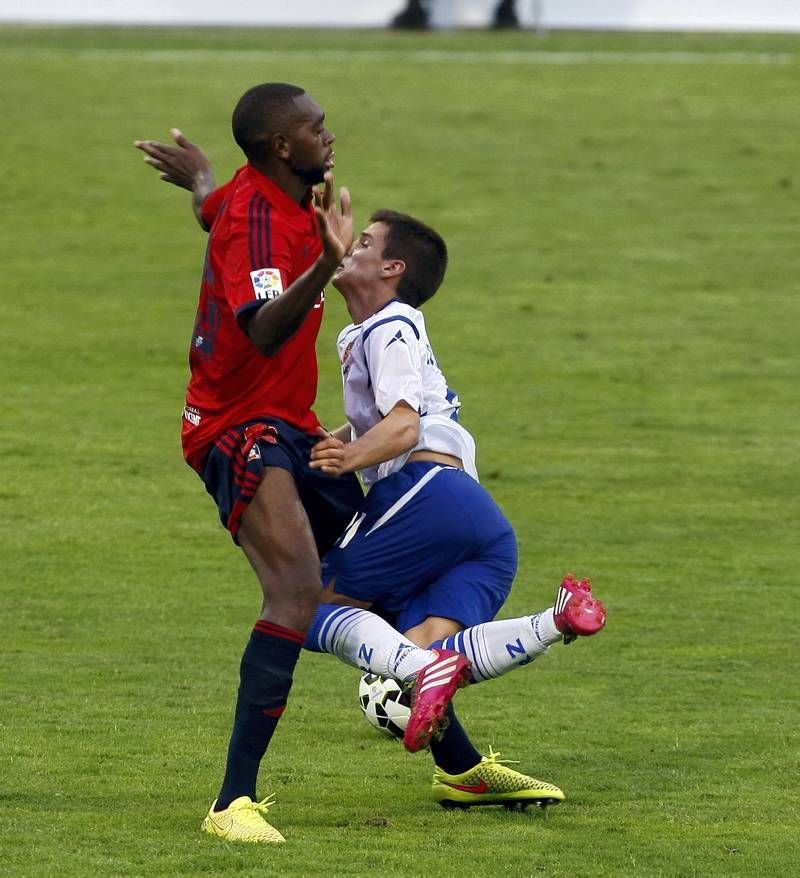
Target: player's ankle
{"points": [[545, 627]]}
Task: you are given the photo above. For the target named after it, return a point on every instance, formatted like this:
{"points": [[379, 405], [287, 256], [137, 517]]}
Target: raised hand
{"points": [[184, 165], [335, 226]]}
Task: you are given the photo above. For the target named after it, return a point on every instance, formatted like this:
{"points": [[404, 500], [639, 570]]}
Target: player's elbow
{"points": [[269, 333], [413, 433], [269, 347], [409, 429], [263, 337]]}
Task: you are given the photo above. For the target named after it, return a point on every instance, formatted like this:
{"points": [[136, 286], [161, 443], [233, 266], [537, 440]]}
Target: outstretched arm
{"points": [[184, 165]]}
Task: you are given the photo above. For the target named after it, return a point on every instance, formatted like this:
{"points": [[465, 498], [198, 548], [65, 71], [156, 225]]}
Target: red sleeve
{"points": [[212, 204], [258, 264]]}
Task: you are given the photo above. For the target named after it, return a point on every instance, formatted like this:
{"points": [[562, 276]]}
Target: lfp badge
{"points": [[267, 283]]}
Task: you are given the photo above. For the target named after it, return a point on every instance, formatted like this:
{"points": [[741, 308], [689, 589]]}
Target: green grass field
{"points": [[621, 319]]}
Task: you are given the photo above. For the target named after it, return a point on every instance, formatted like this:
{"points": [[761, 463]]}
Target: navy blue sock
{"points": [[265, 680], [454, 752]]}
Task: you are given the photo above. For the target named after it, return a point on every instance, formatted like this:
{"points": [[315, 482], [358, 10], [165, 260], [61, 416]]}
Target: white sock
{"points": [[367, 641], [495, 648]]}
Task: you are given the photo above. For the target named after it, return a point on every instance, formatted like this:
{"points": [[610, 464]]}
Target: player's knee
{"points": [[305, 611], [295, 606], [433, 630]]}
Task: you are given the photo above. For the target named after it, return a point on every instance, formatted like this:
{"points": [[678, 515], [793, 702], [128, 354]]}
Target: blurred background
{"points": [[757, 15]]}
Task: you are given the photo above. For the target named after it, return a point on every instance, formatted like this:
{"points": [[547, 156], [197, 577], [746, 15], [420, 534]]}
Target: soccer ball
{"points": [[386, 706]]}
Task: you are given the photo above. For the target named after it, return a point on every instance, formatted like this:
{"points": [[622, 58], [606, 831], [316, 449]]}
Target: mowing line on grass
{"points": [[424, 56]]}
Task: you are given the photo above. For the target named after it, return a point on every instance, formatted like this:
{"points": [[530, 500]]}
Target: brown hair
{"points": [[421, 248]]}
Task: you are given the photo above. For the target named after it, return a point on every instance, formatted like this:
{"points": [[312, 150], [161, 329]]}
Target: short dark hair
{"points": [[421, 248], [261, 112]]}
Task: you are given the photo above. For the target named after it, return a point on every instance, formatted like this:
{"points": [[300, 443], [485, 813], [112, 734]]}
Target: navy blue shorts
{"points": [[234, 469], [427, 541]]}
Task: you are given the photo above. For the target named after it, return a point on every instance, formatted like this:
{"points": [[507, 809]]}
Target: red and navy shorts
{"points": [[235, 466]]}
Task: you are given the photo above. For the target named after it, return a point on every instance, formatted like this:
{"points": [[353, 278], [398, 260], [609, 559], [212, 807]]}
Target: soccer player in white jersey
{"points": [[429, 547]]}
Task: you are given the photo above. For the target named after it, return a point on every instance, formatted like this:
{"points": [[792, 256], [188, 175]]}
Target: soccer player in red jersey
{"points": [[248, 425]]}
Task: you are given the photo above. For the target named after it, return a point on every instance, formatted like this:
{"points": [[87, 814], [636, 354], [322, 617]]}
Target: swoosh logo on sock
{"points": [[478, 788]]}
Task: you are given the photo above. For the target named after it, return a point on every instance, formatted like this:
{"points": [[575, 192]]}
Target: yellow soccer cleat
{"points": [[243, 820], [491, 782]]}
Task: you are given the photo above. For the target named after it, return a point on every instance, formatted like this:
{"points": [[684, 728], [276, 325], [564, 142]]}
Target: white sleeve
{"points": [[395, 365]]}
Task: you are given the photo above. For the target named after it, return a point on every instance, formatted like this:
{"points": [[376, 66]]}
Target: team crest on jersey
{"points": [[346, 357], [266, 283], [255, 454]]}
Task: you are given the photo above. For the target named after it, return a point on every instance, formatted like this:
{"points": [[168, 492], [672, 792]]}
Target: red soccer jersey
{"points": [[261, 241]]}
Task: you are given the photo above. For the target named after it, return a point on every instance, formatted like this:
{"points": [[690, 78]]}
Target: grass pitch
{"points": [[621, 322]]}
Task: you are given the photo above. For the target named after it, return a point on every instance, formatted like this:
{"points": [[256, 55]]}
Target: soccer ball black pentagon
{"points": [[386, 706]]}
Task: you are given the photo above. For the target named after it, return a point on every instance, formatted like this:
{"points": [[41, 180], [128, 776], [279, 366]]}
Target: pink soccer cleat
{"points": [[577, 612], [433, 690]]}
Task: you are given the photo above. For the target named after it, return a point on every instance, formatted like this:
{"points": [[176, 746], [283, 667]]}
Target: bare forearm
{"points": [[184, 165], [397, 433], [276, 321]]}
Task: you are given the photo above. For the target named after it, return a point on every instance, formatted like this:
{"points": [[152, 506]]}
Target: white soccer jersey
{"points": [[388, 359]]}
